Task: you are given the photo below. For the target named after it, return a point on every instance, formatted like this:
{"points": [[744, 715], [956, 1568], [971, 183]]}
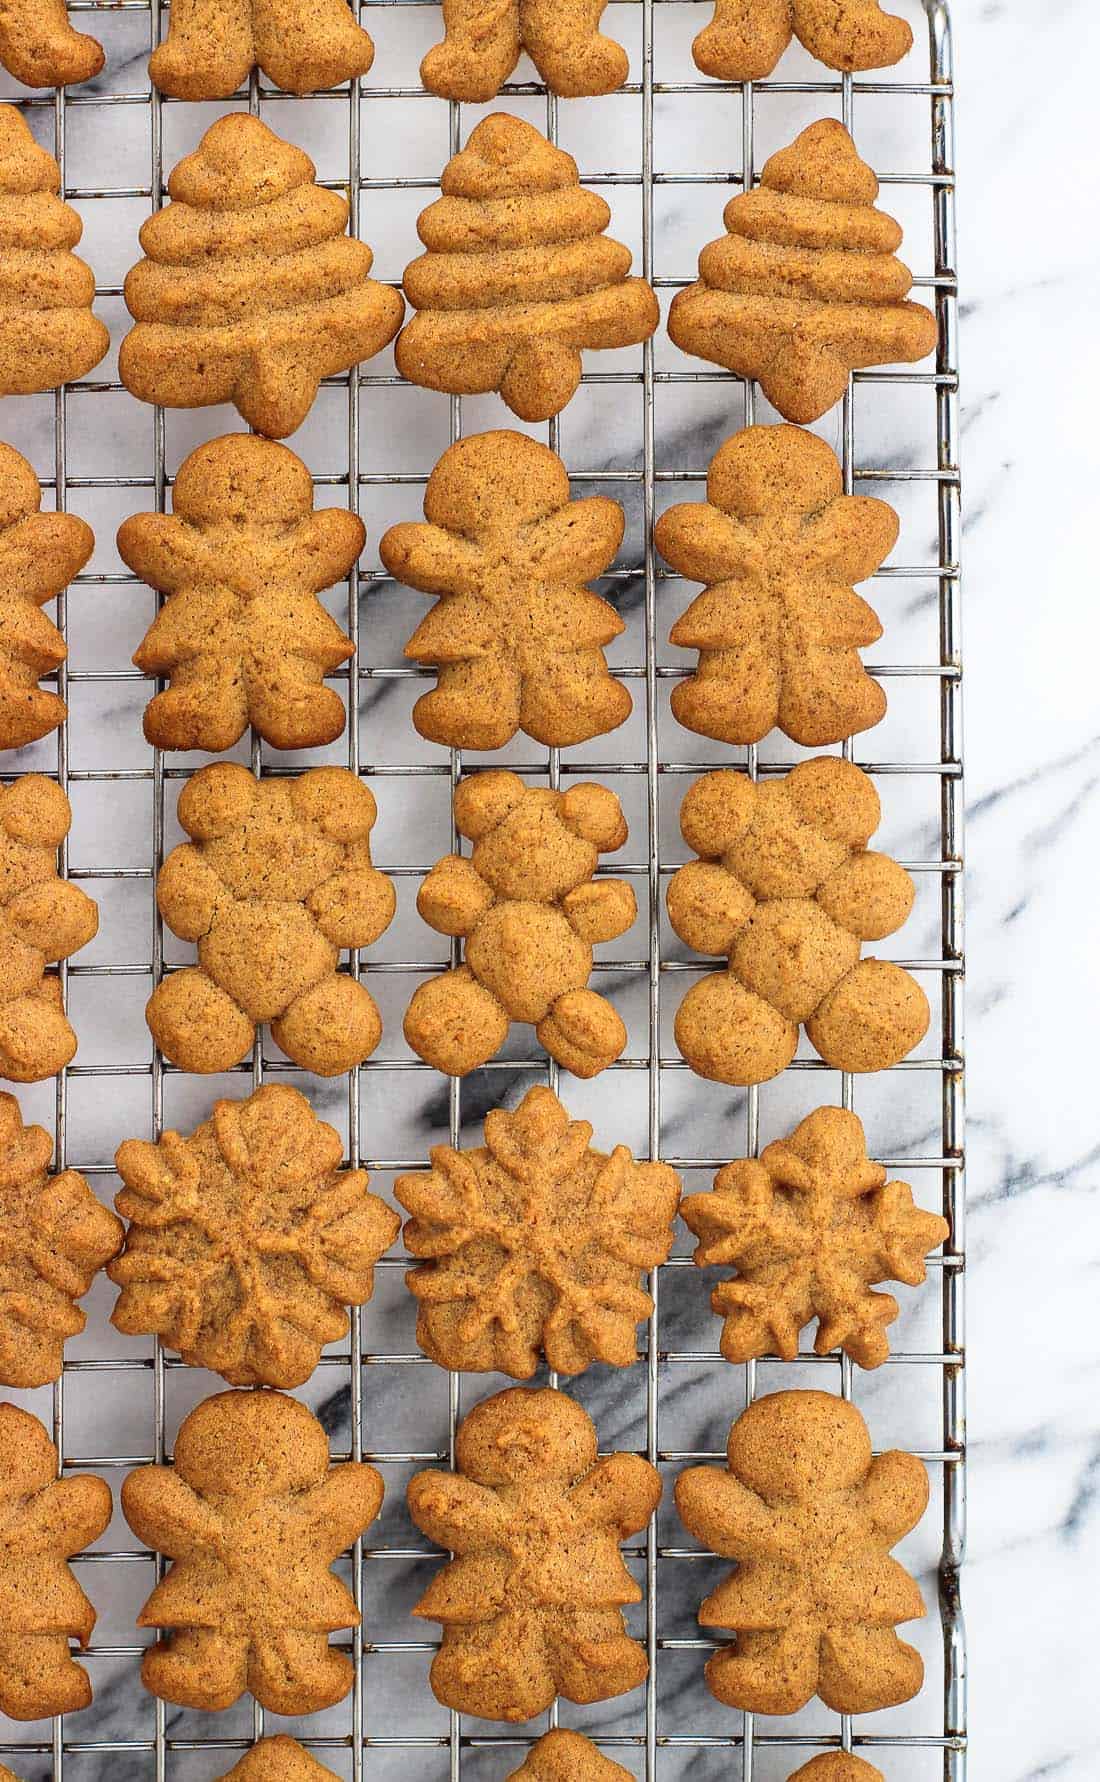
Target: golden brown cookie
{"points": [[531, 1607], [518, 276], [253, 1517], [243, 638], [837, 1766], [530, 910], [280, 1759], [48, 334], [39, 554], [247, 1241], [562, 1756], [811, 1226], [533, 1245], [275, 882], [301, 46], [43, 919], [810, 1519], [746, 38], [54, 1238], [39, 47], [787, 888], [804, 288], [481, 49], [779, 628], [42, 1607], [516, 637], [251, 291]]}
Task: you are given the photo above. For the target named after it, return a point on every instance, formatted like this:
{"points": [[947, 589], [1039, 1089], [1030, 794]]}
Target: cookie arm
{"points": [[426, 557], [703, 544], [896, 1492], [353, 908], [166, 552], [453, 896], [725, 1515], [577, 542], [455, 1511], [55, 917], [64, 1517], [188, 893], [870, 895], [166, 1514], [41, 553], [620, 1492], [342, 1506], [600, 910]]}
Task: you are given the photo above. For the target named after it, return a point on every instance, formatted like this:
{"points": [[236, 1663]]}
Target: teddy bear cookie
{"points": [[746, 38], [810, 1518], [39, 47], [242, 638], [516, 638], [531, 1606], [533, 1244], [48, 334], [562, 1756], [39, 555], [301, 46], [811, 1226], [55, 1236], [530, 910], [46, 1519], [518, 276], [251, 292], [275, 881], [253, 1517], [278, 1759], [480, 49], [787, 888], [804, 288], [778, 628], [247, 1242], [43, 919]]}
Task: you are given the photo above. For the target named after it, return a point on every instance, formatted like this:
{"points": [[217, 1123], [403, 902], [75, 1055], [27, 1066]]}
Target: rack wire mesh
{"points": [[110, 1390]]}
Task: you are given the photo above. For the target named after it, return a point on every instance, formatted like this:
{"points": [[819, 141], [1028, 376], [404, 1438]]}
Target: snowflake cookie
{"points": [[533, 1245], [247, 1241], [253, 1516]]}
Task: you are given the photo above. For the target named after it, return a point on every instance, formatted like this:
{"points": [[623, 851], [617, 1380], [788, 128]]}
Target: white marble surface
{"points": [[1029, 280]]}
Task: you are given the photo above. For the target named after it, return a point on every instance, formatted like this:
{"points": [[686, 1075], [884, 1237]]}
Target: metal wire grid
{"points": [[745, 1741]]}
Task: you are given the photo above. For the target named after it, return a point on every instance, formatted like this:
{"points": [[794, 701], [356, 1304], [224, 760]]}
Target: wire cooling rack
{"points": [[119, 1403]]}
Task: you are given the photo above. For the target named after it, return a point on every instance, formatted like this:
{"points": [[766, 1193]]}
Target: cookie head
{"points": [[521, 1434], [792, 1445], [232, 478], [250, 1442]]}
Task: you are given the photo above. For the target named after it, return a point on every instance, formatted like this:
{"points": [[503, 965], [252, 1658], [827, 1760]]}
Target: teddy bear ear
{"points": [[337, 801], [484, 800], [716, 810], [595, 814], [35, 810], [216, 800], [837, 798]]}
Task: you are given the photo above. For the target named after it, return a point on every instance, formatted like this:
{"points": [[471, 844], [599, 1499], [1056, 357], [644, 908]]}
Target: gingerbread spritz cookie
{"points": [[518, 276], [253, 1517], [531, 1607], [242, 638], [811, 1226], [275, 882], [746, 38], [804, 288], [251, 291], [39, 554], [562, 1756], [562, 38], [837, 1766], [43, 919], [48, 334], [39, 47], [533, 1245], [280, 1759], [300, 45], [779, 627], [787, 888], [247, 1242], [55, 1236], [516, 639], [530, 909], [810, 1519], [44, 1520]]}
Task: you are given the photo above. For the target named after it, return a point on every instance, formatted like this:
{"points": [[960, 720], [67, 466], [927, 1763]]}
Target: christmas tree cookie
{"points": [[804, 288], [516, 637], [746, 38], [518, 276], [39, 47], [48, 334], [301, 46], [778, 628], [39, 554], [251, 291]]}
